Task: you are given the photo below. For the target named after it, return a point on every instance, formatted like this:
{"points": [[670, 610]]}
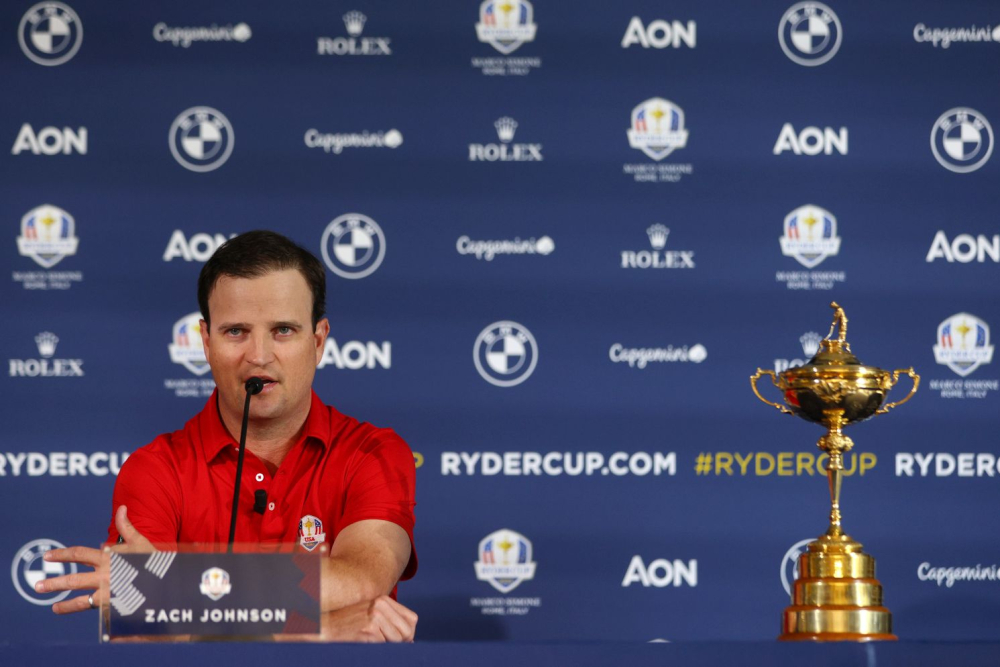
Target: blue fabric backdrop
{"points": [[561, 236]]}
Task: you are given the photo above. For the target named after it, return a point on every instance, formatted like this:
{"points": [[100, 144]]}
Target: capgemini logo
{"points": [[46, 342], [505, 128], [658, 236], [242, 32], [354, 21]]}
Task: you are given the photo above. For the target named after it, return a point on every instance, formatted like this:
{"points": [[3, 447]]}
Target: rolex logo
{"points": [[505, 150], [658, 258], [354, 21], [505, 128], [46, 366], [658, 236], [46, 342], [810, 343]]}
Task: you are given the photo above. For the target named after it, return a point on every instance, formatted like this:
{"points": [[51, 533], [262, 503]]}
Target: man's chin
{"points": [[266, 409]]}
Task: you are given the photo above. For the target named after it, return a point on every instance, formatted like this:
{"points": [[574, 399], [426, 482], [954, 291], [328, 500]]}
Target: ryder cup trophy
{"points": [[836, 596]]}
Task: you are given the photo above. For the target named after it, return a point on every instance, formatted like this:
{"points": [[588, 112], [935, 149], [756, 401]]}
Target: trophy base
{"points": [[827, 624], [836, 597]]}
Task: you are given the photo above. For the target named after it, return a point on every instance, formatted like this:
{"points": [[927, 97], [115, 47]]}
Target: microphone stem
{"points": [[239, 472]]}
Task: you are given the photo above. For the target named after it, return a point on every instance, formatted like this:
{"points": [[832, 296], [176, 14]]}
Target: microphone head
{"points": [[254, 386]]}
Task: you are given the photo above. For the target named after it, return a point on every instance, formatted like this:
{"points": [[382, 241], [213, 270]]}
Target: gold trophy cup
{"points": [[836, 596]]}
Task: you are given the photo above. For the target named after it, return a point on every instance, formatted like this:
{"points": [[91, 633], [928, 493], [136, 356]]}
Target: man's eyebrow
{"points": [[226, 326], [286, 323]]}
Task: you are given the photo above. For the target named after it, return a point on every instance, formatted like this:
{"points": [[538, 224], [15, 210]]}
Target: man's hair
{"points": [[258, 253]]}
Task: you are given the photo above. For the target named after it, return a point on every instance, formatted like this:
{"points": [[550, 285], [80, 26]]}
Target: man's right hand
{"points": [[134, 542], [372, 621]]}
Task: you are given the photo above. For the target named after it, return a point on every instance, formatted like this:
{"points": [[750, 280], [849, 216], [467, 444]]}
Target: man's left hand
{"points": [[371, 621]]}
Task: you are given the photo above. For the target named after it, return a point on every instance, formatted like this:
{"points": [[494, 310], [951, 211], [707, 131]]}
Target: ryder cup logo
{"points": [[505, 354], [657, 128], [963, 343], [962, 140], [215, 583], [506, 24], [809, 33], [50, 33], [187, 349], [810, 235], [790, 564], [201, 139], [353, 246], [29, 567], [48, 234], [311, 533], [505, 560]]}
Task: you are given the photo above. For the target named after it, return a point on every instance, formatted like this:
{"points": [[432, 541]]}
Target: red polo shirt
{"points": [[179, 488]]}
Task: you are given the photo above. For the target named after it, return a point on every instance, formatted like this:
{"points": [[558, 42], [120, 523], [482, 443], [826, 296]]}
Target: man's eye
{"points": [[284, 331], [235, 331]]}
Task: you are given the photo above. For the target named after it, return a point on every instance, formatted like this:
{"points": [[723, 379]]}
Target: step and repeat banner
{"points": [[560, 238]]}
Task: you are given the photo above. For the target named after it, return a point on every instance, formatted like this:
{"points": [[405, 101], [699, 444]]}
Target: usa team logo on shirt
{"points": [[505, 353], [962, 140], [50, 33], [810, 33], [506, 24], [201, 139], [311, 533], [353, 246], [215, 583], [48, 234], [505, 560], [657, 128], [187, 349], [963, 343], [810, 235]]}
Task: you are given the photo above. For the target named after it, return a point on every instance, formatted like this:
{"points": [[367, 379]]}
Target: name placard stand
{"points": [[200, 592]]}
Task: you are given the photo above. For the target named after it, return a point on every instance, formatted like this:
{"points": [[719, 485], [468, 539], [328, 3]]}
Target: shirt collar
{"points": [[215, 437]]}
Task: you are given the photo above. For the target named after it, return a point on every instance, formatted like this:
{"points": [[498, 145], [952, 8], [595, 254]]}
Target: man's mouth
{"points": [[268, 382]]}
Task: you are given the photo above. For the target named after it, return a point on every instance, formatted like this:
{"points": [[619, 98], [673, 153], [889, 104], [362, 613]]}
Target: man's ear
{"points": [[320, 333], [203, 330]]}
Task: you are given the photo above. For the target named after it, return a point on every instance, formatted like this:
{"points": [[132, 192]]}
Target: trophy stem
{"points": [[835, 443], [834, 476]]}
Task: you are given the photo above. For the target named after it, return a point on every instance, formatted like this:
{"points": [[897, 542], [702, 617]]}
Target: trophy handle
{"points": [[753, 383], [895, 378]]}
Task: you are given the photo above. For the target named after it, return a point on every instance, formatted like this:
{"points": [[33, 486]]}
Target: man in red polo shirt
{"points": [[311, 475]]}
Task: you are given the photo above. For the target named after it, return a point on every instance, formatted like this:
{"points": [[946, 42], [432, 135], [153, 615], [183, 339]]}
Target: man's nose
{"points": [[261, 350]]}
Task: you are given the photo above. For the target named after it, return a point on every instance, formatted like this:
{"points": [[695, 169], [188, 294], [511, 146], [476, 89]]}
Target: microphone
{"points": [[259, 501], [253, 386]]}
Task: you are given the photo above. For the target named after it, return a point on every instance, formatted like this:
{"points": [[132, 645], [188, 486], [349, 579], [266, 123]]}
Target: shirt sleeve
{"points": [[381, 483], [147, 485]]}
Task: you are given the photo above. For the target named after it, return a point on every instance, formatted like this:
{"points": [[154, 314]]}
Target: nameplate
{"points": [[222, 595]]}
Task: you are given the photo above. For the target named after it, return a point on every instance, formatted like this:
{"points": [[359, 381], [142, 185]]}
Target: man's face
{"points": [[263, 327]]}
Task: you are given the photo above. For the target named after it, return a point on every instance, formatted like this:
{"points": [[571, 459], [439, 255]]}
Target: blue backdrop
{"points": [[560, 236]]}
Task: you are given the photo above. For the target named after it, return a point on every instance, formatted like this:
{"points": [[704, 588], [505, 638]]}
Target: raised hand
{"points": [[134, 542]]}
